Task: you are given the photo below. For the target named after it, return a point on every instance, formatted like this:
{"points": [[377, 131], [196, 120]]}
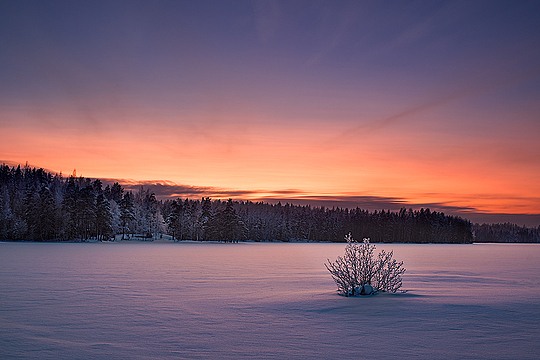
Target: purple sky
{"points": [[368, 103]]}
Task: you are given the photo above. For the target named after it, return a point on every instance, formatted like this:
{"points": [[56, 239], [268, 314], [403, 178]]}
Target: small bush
{"points": [[359, 272]]}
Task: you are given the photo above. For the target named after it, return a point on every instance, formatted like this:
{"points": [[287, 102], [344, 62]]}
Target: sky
{"points": [[377, 104]]}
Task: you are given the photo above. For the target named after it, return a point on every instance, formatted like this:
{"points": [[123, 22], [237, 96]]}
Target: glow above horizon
{"points": [[427, 103]]}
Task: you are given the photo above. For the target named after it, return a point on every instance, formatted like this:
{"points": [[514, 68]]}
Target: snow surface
{"points": [[263, 301]]}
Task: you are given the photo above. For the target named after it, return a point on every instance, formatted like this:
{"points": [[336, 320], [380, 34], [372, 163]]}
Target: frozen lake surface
{"points": [[263, 301]]}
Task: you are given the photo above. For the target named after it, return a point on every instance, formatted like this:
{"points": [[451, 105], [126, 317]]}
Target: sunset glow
{"points": [[398, 104]]}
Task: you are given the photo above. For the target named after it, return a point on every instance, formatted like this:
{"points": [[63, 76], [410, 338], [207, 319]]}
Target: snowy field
{"points": [[263, 301]]}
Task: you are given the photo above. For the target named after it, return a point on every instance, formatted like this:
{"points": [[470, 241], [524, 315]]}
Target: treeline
{"points": [[505, 233], [38, 205], [262, 221]]}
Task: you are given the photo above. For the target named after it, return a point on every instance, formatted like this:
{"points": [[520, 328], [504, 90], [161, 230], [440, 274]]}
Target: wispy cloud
{"points": [[167, 189], [379, 124], [170, 190], [492, 78], [371, 203]]}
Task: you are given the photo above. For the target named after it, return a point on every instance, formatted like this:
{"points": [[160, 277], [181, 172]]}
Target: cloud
{"points": [[371, 203], [491, 79], [411, 111], [170, 190], [164, 189], [167, 189]]}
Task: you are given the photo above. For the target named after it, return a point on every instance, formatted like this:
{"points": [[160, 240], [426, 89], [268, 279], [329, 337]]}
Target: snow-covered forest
{"points": [[38, 205]]}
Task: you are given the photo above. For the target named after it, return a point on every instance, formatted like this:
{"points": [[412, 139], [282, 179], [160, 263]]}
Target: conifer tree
{"points": [[103, 218], [126, 212]]}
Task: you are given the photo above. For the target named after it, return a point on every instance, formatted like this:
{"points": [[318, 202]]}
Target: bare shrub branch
{"points": [[388, 274]]}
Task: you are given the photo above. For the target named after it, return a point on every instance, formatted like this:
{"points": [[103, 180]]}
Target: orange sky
{"points": [[427, 104], [418, 165]]}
